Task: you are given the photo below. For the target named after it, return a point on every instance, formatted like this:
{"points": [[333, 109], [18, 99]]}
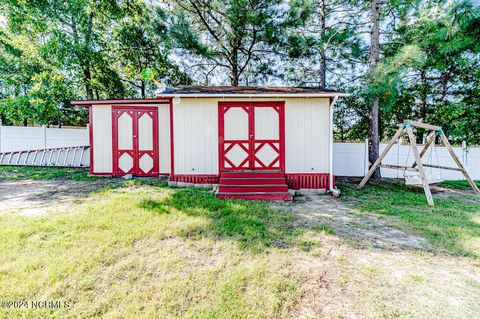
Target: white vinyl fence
{"points": [[351, 159], [22, 138]]}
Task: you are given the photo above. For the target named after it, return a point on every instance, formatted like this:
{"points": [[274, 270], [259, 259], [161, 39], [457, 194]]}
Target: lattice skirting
{"points": [[196, 179], [310, 180]]}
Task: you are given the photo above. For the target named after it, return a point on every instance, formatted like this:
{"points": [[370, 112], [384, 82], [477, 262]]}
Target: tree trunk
{"points": [[373, 135], [423, 95], [142, 89], [234, 73], [87, 77], [322, 66]]}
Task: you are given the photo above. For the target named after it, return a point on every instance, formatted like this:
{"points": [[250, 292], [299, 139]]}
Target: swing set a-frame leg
{"points": [[430, 140], [381, 157], [421, 170], [457, 161]]}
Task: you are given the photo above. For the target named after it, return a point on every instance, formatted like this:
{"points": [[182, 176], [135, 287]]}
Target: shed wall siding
{"points": [[164, 138], [307, 135], [102, 138], [195, 123]]}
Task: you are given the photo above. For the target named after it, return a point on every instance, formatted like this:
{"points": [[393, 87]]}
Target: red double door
{"points": [[251, 136], [135, 141]]}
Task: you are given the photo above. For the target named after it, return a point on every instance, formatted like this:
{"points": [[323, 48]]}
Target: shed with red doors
{"points": [[254, 142]]}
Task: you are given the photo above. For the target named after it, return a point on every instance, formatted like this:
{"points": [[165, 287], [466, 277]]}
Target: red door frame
{"points": [[136, 112], [249, 107]]}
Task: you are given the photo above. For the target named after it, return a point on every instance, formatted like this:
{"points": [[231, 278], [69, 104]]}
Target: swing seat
{"points": [[413, 178]]}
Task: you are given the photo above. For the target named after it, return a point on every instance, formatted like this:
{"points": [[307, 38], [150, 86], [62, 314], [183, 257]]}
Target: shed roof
{"points": [[223, 92], [249, 91]]}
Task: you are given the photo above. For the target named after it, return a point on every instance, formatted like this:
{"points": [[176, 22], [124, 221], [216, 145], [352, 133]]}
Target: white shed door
{"points": [[251, 135], [135, 141]]}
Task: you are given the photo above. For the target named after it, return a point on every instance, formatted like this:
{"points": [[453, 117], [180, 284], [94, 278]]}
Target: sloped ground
{"points": [[124, 249]]}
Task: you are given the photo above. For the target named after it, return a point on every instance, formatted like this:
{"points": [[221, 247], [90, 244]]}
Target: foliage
{"points": [[52, 52], [234, 38], [55, 52]]}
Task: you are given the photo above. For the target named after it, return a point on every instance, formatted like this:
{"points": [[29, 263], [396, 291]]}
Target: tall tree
{"points": [[322, 38], [140, 41], [233, 37], [373, 133]]}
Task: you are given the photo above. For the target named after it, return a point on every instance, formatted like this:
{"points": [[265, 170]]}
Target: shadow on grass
{"points": [[452, 225], [252, 223]]}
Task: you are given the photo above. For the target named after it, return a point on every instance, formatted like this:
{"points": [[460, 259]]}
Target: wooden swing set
{"points": [[418, 166]]}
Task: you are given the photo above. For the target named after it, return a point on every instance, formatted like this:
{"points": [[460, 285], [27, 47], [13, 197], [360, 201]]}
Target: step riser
{"points": [[235, 189], [266, 181], [252, 175], [259, 185], [285, 196]]}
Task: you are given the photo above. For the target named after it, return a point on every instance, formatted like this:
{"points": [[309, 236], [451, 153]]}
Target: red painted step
{"points": [[254, 174], [248, 181], [256, 196], [253, 185], [253, 188]]}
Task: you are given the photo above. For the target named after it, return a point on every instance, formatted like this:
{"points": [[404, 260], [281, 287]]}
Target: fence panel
{"points": [[350, 160], [22, 138]]}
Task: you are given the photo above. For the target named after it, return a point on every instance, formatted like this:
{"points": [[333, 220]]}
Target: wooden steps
{"points": [[253, 185]]}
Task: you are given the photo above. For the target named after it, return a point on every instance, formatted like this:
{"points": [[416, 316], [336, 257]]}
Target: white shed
{"points": [[255, 142]]}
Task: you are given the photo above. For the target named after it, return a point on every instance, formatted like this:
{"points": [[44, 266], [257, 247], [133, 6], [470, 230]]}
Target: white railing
{"points": [[351, 159], [22, 138]]}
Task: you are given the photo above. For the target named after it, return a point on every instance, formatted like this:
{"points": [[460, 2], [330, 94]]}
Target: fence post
{"points": [[464, 153], [88, 135], [365, 159], [44, 136], [398, 156]]}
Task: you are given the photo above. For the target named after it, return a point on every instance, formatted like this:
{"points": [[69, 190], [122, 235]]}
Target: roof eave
{"points": [[253, 95], [132, 101]]}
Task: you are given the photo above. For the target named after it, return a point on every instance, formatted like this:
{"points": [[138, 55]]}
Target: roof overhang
{"points": [[116, 102], [253, 95]]}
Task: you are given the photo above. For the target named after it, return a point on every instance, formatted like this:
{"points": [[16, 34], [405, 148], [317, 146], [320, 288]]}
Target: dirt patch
{"points": [[36, 197], [364, 228], [341, 282]]}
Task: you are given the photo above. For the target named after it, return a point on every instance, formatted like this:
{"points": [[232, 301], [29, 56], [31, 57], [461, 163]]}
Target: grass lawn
{"points": [[36, 173], [143, 250], [452, 225]]}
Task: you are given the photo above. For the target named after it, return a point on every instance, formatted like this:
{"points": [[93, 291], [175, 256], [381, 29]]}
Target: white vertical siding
{"points": [[196, 136], [102, 138], [164, 138], [307, 135]]}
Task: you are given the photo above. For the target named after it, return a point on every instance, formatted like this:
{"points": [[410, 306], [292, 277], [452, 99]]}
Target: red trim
{"points": [[270, 196], [308, 180], [90, 129], [172, 148], [251, 159], [135, 114], [99, 102], [196, 179]]}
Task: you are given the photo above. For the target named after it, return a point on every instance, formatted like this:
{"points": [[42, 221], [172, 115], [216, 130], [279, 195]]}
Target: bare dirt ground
{"points": [[35, 197], [364, 229]]}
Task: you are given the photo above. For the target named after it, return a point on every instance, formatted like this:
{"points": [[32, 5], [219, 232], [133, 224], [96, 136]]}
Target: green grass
{"points": [[139, 249], [30, 172], [452, 225], [462, 185], [147, 251]]}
